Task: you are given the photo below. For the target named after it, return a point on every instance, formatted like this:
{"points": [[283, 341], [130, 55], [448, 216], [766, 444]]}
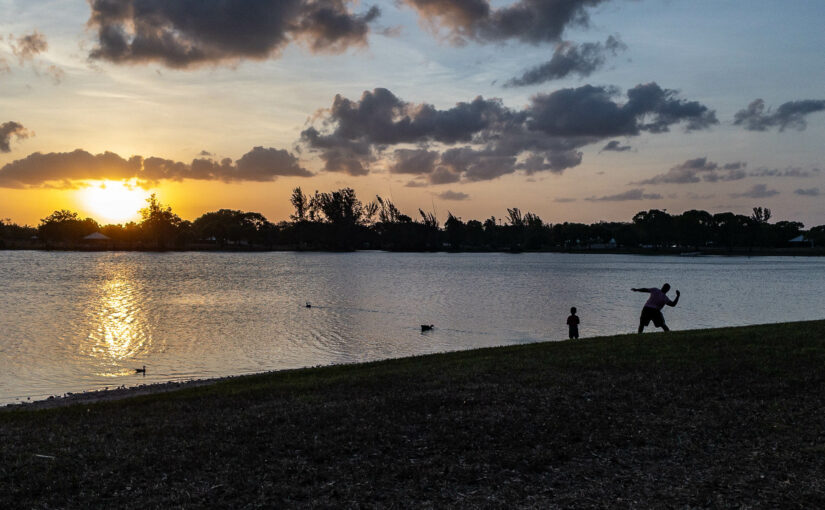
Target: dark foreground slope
{"points": [[726, 417]]}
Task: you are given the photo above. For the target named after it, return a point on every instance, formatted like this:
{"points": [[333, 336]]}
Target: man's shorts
{"points": [[652, 314]]}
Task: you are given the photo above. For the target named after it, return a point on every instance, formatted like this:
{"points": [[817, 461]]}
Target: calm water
{"points": [[78, 321]]}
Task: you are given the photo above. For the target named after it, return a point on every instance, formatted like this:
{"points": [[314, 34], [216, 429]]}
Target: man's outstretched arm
{"points": [[641, 290], [673, 303]]}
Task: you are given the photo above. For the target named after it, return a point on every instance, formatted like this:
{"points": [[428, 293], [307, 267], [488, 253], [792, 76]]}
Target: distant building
{"points": [[97, 236], [97, 241], [604, 246], [801, 241]]}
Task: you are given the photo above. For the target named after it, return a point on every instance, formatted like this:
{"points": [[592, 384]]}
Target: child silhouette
{"points": [[573, 324]]}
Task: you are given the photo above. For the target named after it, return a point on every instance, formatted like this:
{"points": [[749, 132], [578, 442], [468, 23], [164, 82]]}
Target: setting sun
{"points": [[113, 201]]}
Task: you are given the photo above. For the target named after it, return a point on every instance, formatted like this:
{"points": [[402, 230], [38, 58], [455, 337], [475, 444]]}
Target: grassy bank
{"points": [[725, 417]]}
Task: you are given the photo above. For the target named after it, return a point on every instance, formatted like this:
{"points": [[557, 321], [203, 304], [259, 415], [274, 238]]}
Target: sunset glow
{"points": [[581, 111], [113, 201]]}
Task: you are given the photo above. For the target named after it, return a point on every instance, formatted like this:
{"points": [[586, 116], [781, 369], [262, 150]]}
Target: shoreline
{"points": [[817, 251], [728, 417], [110, 394], [126, 392]]}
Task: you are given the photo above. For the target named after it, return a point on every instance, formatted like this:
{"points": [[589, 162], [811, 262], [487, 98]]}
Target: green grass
{"points": [[724, 417]]}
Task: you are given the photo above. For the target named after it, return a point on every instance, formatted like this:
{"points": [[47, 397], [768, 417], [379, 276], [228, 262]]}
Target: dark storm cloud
{"points": [[453, 195], [495, 140], [473, 165], [444, 175], [591, 111], [788, 115], [616, 146], [807, 192], [61, 168], [381, 118], [632, 194], [11, 129], [756, 191], [265, 164], [28, 46], [186, 33], [338, 153], [698, 169], [570, 59], [419, 161], [530, 21]]}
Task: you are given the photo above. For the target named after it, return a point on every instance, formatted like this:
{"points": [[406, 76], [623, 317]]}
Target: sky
{"points": [[575, 110]]}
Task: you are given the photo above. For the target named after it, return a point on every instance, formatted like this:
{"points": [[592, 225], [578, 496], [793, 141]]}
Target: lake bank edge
{"points": [[142, 390]]}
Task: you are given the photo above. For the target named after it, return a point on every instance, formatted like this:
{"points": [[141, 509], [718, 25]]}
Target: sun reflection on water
{"points": [[118, 331]]}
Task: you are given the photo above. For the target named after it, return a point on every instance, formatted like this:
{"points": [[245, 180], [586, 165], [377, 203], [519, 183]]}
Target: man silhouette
{"points": [[652, 311]]}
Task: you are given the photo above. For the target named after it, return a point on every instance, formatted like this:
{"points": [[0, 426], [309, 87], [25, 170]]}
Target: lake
{"points": [[73, 321]]}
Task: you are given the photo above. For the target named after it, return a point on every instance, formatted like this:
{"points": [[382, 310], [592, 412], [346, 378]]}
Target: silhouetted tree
{"points": [[694, 228], [475, 234], [536, 233], [730, 229], [14, 232], [345, 215], [301, 204], [514, 217], [761, 215], [65, 226], [234, 226], [656, 227], [455, 230], [817, 235], [159, 225], [430, 230], [784, 231]]}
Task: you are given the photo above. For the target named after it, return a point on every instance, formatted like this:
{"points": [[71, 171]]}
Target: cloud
{"points": [[12, 129], [530, 21], [483, 139], [28, 46], [696, 196], [757, 191], [591, 111], [616, 146], [808, 192], [788, 115], [698, 169], [55, 73], [419, 161], [570, 58], [60, 169], [563, 200], [788, 172], [453, 195], [187, 33], [632, 194]]}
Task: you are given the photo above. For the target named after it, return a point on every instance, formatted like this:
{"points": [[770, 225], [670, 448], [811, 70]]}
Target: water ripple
{"points": [[76, 321]]}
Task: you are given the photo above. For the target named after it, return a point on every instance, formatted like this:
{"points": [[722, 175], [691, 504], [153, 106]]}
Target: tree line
{"points": [[338, 220]]}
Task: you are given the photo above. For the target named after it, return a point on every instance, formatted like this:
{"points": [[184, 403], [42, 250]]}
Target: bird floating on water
{"points": [[309, 305], [426, 327], [141, 370]]}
